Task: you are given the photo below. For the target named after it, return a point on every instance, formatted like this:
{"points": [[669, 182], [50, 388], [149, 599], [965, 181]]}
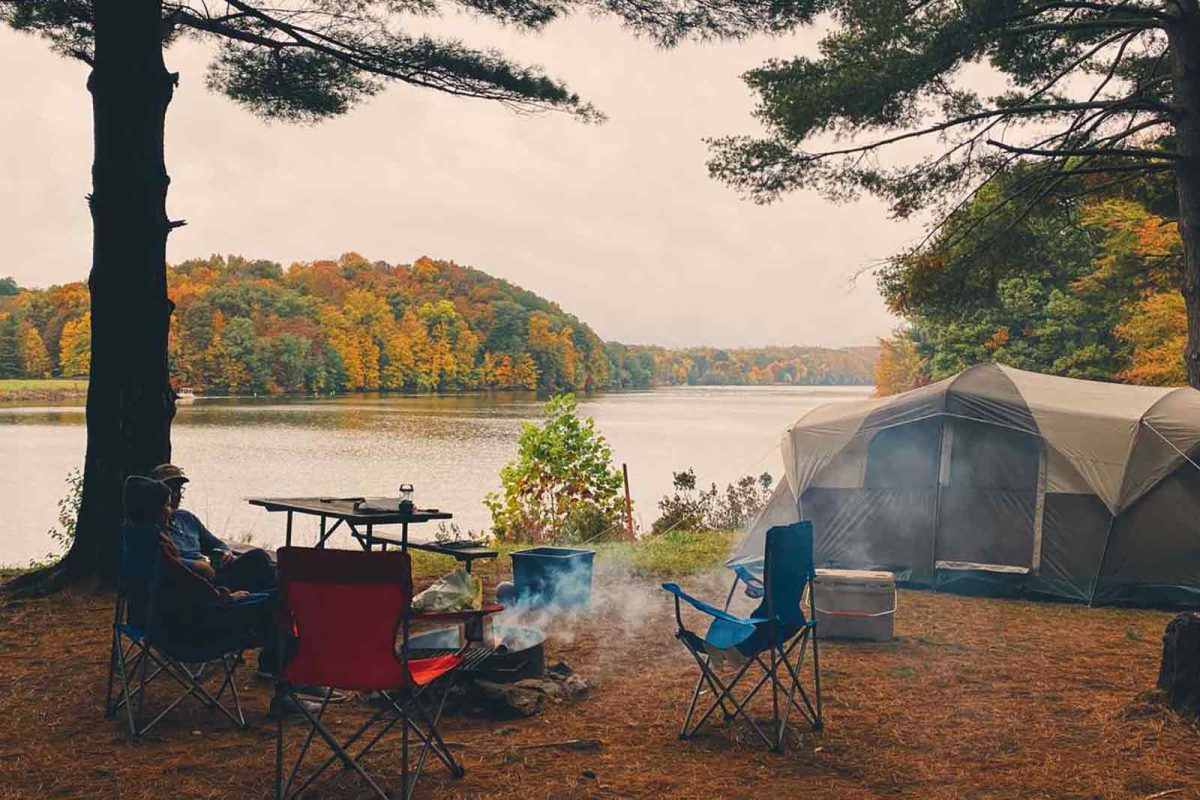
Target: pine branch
{"points": [[1086, 25], [1072, 152]]}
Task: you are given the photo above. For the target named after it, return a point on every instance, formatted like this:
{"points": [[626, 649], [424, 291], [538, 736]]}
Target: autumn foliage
{"points": [[242, 326], [1081, 286]]}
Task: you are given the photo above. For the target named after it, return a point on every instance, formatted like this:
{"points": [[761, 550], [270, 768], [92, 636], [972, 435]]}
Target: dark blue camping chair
{"points": [[776, 637], [143, 649]]}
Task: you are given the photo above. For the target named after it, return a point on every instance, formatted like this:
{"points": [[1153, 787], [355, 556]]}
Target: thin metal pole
{"points": [[628, 504]]}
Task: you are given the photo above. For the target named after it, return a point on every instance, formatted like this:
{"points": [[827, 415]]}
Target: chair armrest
{"points": [[711, 610], [254, 599], [753, 581]]}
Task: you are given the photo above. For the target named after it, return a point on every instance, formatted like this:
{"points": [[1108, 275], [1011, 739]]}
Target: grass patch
{"points": [[41, 388], [669, 555], [17, 384]]}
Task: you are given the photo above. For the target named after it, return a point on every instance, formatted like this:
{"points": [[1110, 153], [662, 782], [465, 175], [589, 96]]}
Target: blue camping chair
{"points": [[144, 650], [776, 637]]}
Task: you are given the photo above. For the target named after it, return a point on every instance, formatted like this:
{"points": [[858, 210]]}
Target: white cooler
{"points": [[855, 604]]}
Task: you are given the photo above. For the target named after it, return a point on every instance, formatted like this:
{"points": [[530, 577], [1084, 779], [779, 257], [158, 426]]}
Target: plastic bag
{"points": [[458, 591]]}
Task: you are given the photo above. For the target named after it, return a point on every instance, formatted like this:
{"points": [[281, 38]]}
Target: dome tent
{"points": [[1000, 480]]}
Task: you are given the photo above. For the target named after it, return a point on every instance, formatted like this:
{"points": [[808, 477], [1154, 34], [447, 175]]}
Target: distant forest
{"points": [[242, 326]]}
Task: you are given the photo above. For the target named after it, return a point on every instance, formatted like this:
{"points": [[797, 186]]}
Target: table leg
{"points": [[321, 541], [370, 529], [288, 540], [363, 541]]}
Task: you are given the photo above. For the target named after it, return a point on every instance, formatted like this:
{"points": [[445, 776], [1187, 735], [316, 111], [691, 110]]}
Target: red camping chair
{"points": [[346, 608]]}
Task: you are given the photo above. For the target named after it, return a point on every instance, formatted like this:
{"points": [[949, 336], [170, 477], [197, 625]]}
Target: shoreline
{"points": [[29, 391]]}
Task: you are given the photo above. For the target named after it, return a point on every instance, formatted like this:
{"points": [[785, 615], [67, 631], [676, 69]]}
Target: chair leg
{"points": [[819, 723], [433, 739], [724, 692], [123, 668], [337, 748], [687, 719], [278, 704], [114, 654], [354, 737], [778, 747]]}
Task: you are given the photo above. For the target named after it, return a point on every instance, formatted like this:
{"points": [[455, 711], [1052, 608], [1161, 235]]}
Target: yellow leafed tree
{"points": [[35, 361], [1157, 330], [899, 366], [75, 347]]}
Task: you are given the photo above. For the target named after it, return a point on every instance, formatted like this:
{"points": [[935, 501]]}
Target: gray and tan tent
{"points": [[999, 480]]}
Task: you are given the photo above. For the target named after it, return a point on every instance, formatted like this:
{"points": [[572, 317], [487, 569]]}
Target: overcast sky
{"points": [[618, 223]]}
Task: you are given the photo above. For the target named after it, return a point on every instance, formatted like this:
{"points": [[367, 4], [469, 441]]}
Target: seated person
{"points": [[252, 570], [186, 604], [189, 606]]}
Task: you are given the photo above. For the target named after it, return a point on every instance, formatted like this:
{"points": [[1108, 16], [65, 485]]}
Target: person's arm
{"points": [[209, 543], [188, 588]]}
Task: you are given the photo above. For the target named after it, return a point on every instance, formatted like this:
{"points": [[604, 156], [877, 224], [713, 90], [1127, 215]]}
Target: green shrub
{"points": [[562, 487], [711, 509]]}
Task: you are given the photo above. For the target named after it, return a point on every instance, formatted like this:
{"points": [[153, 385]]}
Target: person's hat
{"points": [[167, 473]]}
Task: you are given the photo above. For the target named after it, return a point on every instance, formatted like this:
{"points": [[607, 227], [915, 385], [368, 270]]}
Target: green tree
{"points": [[562, 487], [10, 346], [8, 287], [1046, 291], [1094, 88], [293, 60]]}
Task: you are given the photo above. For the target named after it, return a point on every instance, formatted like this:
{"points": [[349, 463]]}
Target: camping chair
{"points": [[345, 608], [142, 651], [775, 637]]}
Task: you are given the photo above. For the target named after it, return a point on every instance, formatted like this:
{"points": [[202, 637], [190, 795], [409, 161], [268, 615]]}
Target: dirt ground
{"points": [[976, 698]]}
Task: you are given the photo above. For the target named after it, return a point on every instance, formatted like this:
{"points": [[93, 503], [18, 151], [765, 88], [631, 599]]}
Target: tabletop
{"points": [[366, 510]]}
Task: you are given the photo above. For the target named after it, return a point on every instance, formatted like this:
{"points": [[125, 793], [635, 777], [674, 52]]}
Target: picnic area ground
{"points": [[976, 698]]}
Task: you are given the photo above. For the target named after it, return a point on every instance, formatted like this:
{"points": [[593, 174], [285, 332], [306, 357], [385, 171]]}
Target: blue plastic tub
{"points": [[553, 576]]}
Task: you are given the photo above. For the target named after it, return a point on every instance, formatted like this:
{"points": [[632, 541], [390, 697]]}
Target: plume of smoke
{"points": [[624, 610]]}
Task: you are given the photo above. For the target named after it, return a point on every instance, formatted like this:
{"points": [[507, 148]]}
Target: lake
{"points": [[451, 448]]}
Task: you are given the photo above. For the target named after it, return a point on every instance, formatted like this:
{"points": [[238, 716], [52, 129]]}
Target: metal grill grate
{"points": [[473, 658]]}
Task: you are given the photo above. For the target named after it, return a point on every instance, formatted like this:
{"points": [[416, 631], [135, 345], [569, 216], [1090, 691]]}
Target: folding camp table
{"points": [[361, 516]]}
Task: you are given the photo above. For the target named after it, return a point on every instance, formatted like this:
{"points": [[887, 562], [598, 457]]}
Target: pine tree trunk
{"points": [[130, 402], [1179, 672], [1184, 40]]}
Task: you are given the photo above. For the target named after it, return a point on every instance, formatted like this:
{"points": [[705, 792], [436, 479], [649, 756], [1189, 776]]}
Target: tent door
{"points": [[989, 499]]}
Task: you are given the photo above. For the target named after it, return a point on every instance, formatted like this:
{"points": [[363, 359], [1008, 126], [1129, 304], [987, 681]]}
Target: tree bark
{"points": [[1184, 38], [1179, 671], [130, 402]]}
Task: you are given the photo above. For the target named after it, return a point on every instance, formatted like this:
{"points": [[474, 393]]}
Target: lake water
{"points": [[451, 448]]}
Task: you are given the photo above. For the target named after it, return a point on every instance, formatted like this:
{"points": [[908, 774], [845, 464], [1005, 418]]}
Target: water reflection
{"points": [[450, 447]]}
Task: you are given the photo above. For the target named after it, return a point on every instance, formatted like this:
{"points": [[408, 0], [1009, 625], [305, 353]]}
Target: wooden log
{"points": [[1179, 671]]}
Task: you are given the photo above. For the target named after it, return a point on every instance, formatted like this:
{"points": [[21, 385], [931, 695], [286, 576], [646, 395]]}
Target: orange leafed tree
{"points": [[1157, 330]]}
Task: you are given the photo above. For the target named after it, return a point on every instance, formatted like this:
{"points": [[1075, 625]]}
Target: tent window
{"points": [[905, 456], [990, 457]]}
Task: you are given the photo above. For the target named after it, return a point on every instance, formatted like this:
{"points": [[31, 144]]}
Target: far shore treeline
{"points": [[245, 326]]}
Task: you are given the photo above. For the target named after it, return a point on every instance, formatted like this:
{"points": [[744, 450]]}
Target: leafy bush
{"points": [[562, 487], [711, 509], [63, 534]]}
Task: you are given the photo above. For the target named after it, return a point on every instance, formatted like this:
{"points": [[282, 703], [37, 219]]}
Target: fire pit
{"points": [[514, 653]]}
